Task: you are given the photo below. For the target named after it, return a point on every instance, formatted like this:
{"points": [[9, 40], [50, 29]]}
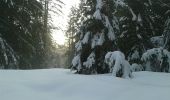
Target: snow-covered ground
{"points": [[61, 84]]}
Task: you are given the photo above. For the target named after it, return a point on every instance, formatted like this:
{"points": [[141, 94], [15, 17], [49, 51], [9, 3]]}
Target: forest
{"points": [[25, 33], [84, 49], [104, 36], [120, 35]]}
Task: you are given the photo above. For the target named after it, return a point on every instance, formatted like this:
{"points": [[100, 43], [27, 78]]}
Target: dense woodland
{"points": [[113, 35], [25, 33]]}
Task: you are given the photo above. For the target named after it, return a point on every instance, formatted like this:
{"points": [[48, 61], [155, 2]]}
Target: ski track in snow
{"points": [[61, 84]]}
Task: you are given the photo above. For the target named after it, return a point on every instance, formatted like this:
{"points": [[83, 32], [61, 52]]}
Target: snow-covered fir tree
{"points": [[157, 60], [98, 33]]}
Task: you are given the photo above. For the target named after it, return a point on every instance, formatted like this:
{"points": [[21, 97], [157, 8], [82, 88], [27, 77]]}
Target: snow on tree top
{"points": [[97, 14]]}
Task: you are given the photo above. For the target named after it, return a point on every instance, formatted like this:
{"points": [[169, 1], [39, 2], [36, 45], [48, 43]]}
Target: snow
{"points": [[101, 39], [97, 15], [3, 49], [98, 39], [139, 36], [159, 52], [99, 4], [139, 18], [166, 32], [10, 2], [61, 84], [7, 51], [115, 23], [167, 12], [159, 55], [119, 3], [78, 45], [134, 55], [136, 67], [90, 60], [150, 2], [158, 41], [95, 40], [134, 17], [111, 34], [116, 61], [76, 62], [86, 38]]}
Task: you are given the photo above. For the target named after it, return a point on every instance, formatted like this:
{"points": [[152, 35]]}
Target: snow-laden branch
{"points": [[156, 59], [118, 65]]}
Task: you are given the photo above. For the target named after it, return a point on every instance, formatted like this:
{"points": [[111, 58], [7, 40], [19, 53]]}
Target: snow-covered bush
{"points": [[118, 65], [136, 67], [157, 60]]}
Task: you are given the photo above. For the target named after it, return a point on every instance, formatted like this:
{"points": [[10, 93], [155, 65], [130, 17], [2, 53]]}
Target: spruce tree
{"points": [[97, 36]]}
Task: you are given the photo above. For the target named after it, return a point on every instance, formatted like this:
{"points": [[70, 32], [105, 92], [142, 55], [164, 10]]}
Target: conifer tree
{"points": [[72, 30], [98, 35]]}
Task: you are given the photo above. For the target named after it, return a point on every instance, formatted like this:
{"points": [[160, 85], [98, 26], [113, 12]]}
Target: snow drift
{"points": [[61, 84]]}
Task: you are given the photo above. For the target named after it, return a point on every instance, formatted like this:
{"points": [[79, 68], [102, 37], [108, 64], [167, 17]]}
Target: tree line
{"points": [[138, 28]]}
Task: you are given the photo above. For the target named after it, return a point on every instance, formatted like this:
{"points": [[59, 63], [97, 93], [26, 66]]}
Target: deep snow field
{"points": [[61, 84]]}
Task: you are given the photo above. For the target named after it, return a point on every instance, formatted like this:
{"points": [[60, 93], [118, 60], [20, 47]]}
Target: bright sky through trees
{"points": [[61, 21]]}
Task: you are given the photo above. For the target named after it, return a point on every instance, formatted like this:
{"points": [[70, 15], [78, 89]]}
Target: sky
{"points": [[58, 35]]}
